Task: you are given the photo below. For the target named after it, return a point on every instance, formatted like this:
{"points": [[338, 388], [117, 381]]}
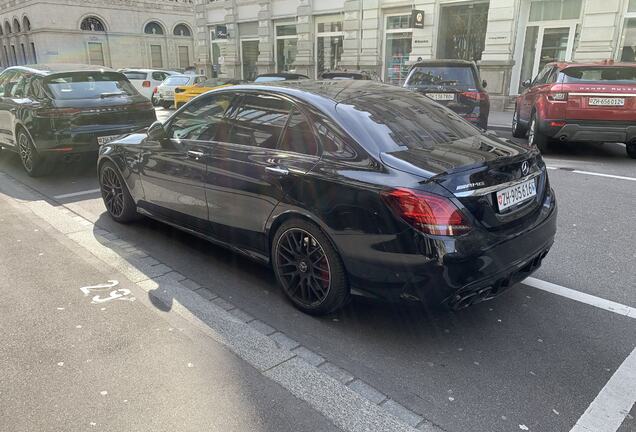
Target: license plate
{"points": [[516, 194], [606, 101], [106, 139], [441, 96]]}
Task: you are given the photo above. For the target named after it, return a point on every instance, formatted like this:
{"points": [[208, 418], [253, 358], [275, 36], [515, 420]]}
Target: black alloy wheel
{"points": [[33, 163], [308, 268], [117, 199]]}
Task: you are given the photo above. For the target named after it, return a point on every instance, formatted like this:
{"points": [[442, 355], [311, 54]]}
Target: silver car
{"points": [[165, 91]]}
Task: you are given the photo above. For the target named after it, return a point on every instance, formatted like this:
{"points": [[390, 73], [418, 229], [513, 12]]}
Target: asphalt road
{"points": [[528, 360]]}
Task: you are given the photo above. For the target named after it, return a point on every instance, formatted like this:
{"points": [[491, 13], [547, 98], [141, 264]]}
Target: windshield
{"points": [[424, 76], [136, 75], [600, 74], [177, 80], [89, 85]]}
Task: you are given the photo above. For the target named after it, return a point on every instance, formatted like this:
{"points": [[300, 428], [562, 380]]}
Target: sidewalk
{"points": [[500, 120]]}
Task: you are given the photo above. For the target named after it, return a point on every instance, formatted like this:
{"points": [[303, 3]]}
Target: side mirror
{"points": [[156, 132], [527, 83], [484, 84]]}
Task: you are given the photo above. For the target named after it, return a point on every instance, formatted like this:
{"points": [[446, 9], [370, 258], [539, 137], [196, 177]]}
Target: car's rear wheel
{"points": [[309, 268], [535, 137], [154, 100], [33, 163], [518, 131], [631, 149], [166, 105], [117, 199]]}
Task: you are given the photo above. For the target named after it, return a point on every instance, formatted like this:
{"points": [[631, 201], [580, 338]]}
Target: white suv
{"points": [[146, 81]]}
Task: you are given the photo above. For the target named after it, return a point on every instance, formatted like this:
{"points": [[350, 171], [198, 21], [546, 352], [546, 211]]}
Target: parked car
{"points": [[345, 75], [183, 94], [341, 186], [455, 84], [146, 81], [579, 102], [53, 111], [279, 76], [165, 91]]}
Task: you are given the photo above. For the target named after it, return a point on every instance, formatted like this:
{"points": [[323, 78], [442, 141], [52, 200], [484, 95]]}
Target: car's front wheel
{"points": [[117, 199], [535, 137], [33, 163], [309, 268], [518, 131], [631, 149]]}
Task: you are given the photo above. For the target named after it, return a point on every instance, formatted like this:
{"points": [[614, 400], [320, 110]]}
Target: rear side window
{"points": [[202, 119], [159, 76], [135, 75], [89, 85], [452, 76], [599, 74], [298, 136], [177, 80], [259, 121]]}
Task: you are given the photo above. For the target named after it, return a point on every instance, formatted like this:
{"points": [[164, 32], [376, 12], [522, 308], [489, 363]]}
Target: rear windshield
{"points": [[599, 74], [89, 85], [136, 75], [177, 80], [269, 78], [425, 76], [409, 119]]}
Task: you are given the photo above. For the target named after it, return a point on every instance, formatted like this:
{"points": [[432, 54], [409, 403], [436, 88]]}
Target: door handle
{"points": [[277, 170], [194, 154]]}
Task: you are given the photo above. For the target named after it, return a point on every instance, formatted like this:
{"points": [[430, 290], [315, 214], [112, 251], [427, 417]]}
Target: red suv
{"points": [[579, 102]]}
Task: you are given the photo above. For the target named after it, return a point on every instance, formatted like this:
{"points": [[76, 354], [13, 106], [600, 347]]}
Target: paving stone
{"points": [[149, 261], [284, 341], [223, 304], [427, 426], [263, 328], [336, 372], [175, 276], [309, 356], [367, 391], [242, 315], [156, 270], [110, 236], [402, 412], [206, 293], [190, 284]]}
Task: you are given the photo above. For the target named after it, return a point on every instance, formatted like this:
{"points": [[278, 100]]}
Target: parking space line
{"points": [[74, 194], [588, 299], [591, 173], [609, 409]]}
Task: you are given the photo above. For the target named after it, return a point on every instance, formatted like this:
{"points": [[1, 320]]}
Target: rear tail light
{"points": [[475, 95], [145, 84], [557, 123], [155, 90], [558, 96], [179, 90], [429, 213], [57, 112]]}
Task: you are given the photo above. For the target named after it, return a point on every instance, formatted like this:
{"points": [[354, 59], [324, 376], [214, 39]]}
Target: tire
{"points": [[631, 150], [166, 105], [308, 268], [117, 199], [518, 131], [535, 137], [33, 163], [154, 100]]}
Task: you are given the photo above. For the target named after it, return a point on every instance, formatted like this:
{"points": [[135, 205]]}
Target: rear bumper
{"points": [[604, 132], [436, 270], [82, 140]]}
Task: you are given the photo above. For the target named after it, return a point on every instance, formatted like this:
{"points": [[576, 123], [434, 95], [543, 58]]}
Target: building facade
{"points": [[114, 33], [509, 39]]}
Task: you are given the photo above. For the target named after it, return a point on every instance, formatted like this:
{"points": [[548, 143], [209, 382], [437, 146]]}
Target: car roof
{"points": [[48, 69], [282, 75], [450, 62], [150, 70], [565, 65]]}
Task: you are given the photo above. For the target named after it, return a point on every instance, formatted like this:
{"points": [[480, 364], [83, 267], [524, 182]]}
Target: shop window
{"points": [[398, 22], [249, 57], [546, 10], [462, 31], [329, 43], [632, 6], [397, 48], [628, 48], [286, 48]]}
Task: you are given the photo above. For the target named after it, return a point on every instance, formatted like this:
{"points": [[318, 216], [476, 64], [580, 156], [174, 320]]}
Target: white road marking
{"points": [[611, 406], [588, 299], [591, 173], [74, 194]]}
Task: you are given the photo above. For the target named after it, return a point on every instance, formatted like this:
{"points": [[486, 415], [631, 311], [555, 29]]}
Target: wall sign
{"points": [[417, 19]]}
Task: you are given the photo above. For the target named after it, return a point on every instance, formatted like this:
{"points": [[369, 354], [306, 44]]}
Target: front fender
{"points": [[126, 160]]}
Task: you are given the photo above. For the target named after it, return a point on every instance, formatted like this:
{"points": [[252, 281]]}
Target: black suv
{"points": [[48, 112], [454, 84]]}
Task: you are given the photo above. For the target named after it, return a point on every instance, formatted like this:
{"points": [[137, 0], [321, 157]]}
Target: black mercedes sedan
{"points": [[342, 187], [53, 112]]}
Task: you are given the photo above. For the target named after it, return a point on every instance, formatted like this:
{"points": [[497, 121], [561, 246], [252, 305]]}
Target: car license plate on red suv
{"points": [[516, 194], [606, 101]]}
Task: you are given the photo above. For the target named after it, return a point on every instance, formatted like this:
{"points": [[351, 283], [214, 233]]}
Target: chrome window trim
{"points": [[495, 188]]}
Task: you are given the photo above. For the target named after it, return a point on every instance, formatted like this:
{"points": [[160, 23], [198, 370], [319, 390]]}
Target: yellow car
{"points": [[184, 94]]}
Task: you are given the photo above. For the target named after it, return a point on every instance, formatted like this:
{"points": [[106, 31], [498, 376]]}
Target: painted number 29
{"points": [[117, 294]]}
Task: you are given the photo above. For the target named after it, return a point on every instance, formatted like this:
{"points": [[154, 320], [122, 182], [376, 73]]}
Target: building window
{"points": [[33, 53], [182, 30], [95, 54], [547, 10], [631, 7], [24, 54], [26, 24], [16, 25], [286, 47], [7, 27], [15, 56], [249, 57], [6, 56], [397, 48], [156, 59], [92, 24], [184, 57], [329, 43], [462, 33], [153, 27]]}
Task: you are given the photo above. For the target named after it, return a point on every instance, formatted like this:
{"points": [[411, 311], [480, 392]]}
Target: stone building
{"points": [[509, 39], [115, 33]]}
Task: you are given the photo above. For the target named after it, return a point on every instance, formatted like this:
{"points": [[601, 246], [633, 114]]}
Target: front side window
{"points": [[201, 120], [298, 136], [259, 121]]}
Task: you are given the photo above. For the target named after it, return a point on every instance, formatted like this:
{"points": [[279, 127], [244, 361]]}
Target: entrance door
{"points": [[249, 57], [545, 44]]}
